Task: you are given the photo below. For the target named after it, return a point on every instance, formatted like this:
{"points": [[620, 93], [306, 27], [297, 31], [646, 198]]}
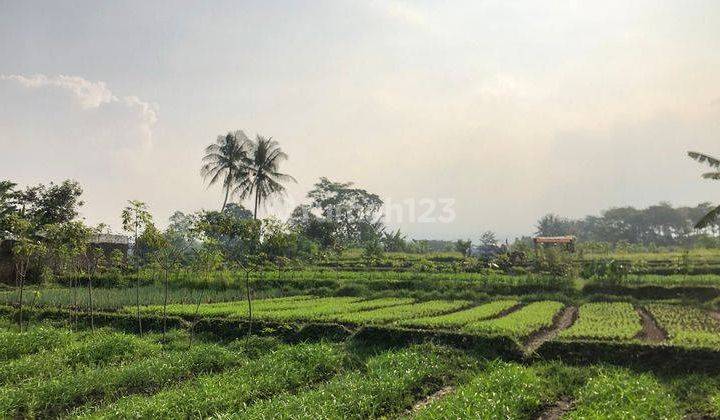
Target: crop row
{"points": [[687, 326], [605, 320], [521, 323], [464, 317], [318, 380]]}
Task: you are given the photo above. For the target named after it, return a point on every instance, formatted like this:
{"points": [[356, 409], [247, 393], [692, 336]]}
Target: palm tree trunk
{"points": [[257, 198], [247, 289], [227, 193]]}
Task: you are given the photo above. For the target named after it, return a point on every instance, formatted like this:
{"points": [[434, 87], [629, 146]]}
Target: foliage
{"points": [[226, 161], [605, 320], [615, 393], [502, 390], [389, 384], [262, 176], [521, 323], [351, 214], [711, 216], [463, 247], [687, 326], [286, 369], [460, 318], [48, 398]]}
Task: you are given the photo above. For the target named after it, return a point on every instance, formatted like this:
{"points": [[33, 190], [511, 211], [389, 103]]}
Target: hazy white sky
{"points": [[512, 108]]}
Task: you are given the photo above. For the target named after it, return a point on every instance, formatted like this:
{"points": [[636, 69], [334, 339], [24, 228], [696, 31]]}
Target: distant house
{"points": [[108, 243], [566, 242]]}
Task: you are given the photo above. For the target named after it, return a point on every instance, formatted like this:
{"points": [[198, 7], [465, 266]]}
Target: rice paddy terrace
{"points": [[333, 357]]}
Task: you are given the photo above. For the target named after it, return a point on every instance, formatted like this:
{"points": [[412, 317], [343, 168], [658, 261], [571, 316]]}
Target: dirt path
{"points": [[715, 315], [650, 332], [562, 321], [428, 400], [557, 410], [505, 312]]}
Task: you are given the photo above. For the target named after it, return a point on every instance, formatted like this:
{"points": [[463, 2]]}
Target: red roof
{"points": [[554, 239]]}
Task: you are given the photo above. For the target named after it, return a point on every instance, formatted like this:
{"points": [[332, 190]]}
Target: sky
{"points": [[479, 115]]}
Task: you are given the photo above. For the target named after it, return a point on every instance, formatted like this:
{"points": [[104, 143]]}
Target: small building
{"points": [[565, 242], [109, 243]]}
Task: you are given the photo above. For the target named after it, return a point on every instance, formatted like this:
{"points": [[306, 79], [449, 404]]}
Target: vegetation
{"points": [[467, 316], [521, 323], [605, 320], [687, 326]]}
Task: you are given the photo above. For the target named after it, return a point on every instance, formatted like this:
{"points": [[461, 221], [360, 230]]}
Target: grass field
{"points": [[109, 374]]}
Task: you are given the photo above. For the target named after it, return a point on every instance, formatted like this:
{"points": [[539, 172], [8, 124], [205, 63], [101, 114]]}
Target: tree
{"points": [[68, 249], [264, 178], [136, 218], [8, 206], [488, 239], [394, 241], [463, 247], [25, 251], [354, 212], [227, 160], [553, 225], [714, 163], [55, 203]]}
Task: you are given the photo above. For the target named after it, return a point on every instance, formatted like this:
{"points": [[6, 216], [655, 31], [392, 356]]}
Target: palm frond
{"points": [[708, 218], [703, 158], [711, 175]]}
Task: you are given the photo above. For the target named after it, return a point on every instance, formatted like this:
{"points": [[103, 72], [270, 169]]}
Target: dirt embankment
{"points": [[563, 320], [650, 331]]}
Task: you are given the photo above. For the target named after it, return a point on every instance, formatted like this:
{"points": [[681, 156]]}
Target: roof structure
{"points": [[554, 239]]}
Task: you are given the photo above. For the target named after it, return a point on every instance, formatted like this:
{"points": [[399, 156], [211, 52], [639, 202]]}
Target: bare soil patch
{"points": [[563, 320], [429, 400], [715, 315], [557, 410], [650, 332]]}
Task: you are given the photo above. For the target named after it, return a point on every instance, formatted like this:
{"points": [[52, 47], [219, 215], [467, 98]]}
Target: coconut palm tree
{"points": [[264, 179], [227, 159], [715, 164]]}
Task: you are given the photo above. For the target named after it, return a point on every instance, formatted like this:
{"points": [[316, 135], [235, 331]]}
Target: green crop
{"points": [[239, 308], [460, 318], [286, 369], [43, 398], [615, 393], [687, 326], [329, 307], [400, 312], [37, 338], [390, 383], [605, 320], [503, 390], [98, 349], [521, 323]]}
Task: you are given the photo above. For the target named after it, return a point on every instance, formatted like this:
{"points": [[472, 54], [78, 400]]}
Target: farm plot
{"points": [[401, 312], [282, 370], [329, 308], [687, 326], [502, 390], [622, 394], [33, 340], [240, 308], [519, 324], [464, 317], [389, 384], [605, 321]]}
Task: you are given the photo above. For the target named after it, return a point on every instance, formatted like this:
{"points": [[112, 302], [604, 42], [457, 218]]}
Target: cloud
{"points": [[92, 95]]}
